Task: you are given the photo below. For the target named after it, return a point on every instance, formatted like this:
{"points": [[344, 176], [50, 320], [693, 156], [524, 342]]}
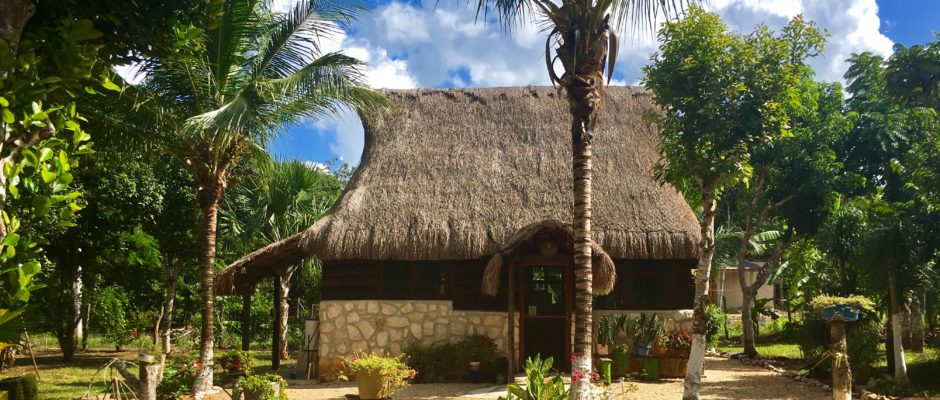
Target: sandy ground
{"points": [[724, 379]]}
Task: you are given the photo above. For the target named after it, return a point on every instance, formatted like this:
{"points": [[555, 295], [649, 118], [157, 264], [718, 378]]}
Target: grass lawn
{"points": [[788, 350], [59, 381]]}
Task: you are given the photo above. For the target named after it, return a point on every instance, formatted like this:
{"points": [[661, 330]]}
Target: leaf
{"points": [[107, 84], [8, 117], [47, 176], [45, 154], [613, 46], [4, 102], [63, 161]]}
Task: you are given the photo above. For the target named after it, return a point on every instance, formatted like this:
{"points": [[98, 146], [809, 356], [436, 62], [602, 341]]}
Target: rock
{"points": [[416, 330], [352, 317], [407, 308], [388, 309], [341, 349], [396, 335], [332, 312], [381, 339], [421, 307], [372, 307], [395, 349], [353, 332], [348, 306], [427, 329], [365, 329], [416, 317], [397, 322], [492, 320]]}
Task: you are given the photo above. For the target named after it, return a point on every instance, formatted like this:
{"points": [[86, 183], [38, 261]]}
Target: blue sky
{"points": [[414, 43]]}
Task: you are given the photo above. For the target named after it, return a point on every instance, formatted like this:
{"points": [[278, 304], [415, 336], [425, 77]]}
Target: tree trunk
{"points": [[693, 377], [747, 323], [246, 320], [209, 197], [86, 322], [906, 324], [165, 325], [917, 321], [900, 367], [283, 305], [583, 277], [841, 372], [14, 14]]}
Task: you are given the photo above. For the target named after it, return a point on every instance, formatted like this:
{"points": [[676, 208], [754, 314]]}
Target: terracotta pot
{"points": [[369, 385]]}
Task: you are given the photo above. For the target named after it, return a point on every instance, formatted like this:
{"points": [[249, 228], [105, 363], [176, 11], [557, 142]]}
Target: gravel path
{"points": [[724, 379]]}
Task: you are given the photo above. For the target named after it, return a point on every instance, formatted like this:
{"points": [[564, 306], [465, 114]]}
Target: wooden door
{"points": [[546, 301]]}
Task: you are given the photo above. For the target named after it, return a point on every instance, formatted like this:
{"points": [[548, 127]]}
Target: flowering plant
{"points": [[392, 372], [578, 374], [178, 378]]}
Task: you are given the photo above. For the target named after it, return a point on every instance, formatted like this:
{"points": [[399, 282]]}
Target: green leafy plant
{"points": [[393, 373], [859, 303], [679, 344], [262, 384], [178, 378], [651, 328], [537, 385], [715, 319], [236, 361], [607, 329], [111, 304]]}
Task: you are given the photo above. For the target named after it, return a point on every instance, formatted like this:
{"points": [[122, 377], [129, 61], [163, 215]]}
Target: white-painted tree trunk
{"points": [[693, 377], [900, 366]]}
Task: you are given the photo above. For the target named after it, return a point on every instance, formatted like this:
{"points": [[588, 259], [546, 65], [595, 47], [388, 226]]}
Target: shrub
{"points": [[235, 361], [178, 378], [20, 388], [861, 338], [716, 319], [392, 371], [262, 383], [538, 386], [449, 362], [111, 305]]}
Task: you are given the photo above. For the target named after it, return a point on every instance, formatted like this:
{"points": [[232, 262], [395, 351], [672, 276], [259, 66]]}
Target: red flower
{"points": [[134, 333], [574, 357], [576, 376]]}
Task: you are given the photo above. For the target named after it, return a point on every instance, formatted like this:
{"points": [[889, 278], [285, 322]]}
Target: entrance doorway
{"points": [[546, 300]]}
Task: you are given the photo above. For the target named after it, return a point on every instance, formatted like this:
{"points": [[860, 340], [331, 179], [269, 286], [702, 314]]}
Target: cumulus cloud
{"points": [[442, 44]]}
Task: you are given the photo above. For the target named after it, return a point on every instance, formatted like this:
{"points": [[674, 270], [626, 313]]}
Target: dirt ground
{"points": [[724, 379]]}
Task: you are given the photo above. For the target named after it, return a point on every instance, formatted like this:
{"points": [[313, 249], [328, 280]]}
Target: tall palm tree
{"points": [[257, 72], [278, 200], [584, 36]]}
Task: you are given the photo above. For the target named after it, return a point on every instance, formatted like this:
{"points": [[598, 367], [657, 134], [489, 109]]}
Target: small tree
{"points": [[725, 96]]}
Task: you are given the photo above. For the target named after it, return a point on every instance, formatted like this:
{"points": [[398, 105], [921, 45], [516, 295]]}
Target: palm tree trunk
{"points": [[583, 276], [693, 377], [209, 197], [166, 317], [900, 367]]}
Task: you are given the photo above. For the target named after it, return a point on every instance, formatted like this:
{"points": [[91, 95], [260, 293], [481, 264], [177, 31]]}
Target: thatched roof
{"points": [[454, 174]]}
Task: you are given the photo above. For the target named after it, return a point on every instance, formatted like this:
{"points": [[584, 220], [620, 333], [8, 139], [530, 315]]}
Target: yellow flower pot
{"points": [[369, 385]]}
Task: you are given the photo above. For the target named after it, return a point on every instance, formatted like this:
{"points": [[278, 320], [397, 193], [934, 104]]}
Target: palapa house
{"points": [[459, 216]]}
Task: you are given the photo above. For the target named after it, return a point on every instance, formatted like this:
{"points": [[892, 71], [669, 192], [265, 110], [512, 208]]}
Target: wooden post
{"points": [[841, 372], [149, 380], [276, 346], [511, 347], [246, 319]]}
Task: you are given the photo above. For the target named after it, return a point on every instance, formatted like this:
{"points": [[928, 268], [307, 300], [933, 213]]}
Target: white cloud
{"points": [[438, 43], [317, 166]]}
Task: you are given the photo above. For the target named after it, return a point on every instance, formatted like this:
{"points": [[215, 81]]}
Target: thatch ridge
{"points": [[453, 174]]}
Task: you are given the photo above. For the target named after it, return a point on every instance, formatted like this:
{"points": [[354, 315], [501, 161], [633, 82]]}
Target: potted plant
{"points": [[236, 361], [261, 387], [835, 308], [678, 345], [607, 330], [379, 377], [650, 329]]}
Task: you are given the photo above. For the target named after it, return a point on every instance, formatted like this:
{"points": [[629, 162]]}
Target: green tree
{"points": [[279, 199], [728, 99], [256, 72]]}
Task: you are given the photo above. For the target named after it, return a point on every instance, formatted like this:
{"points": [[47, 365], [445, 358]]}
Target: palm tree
{"points": [[585, 43], [256, 72], [278, 200]]}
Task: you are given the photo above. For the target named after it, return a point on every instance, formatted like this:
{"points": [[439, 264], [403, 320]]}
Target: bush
{"points": [[21, 387], [393, 372], [450, 362], [261, 383], [861, 338], [716, 319], [111, 305], [178, 378]]}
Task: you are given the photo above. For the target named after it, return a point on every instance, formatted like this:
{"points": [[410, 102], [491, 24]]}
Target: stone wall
{"points": [[388, 326]]}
